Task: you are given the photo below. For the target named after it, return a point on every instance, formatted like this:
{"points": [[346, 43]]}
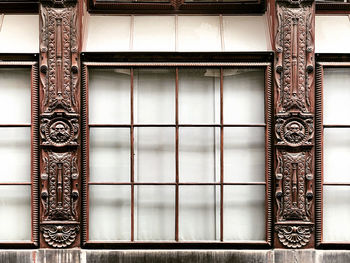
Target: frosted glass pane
{"points": [[15, 99], [109, 212], [155, 212], [199, 214], [336, 213], [199, 154], [198, 33], [332, 33], [253, 33], [154, 94], [244, 212], [109, 155], [109, 96], [244, 96], [244, 154], [156, 33], [154, 154], [108, 33], [19, 33], [199, 96], [15, 219], [336, 144], [15, 155], [336, 96]]}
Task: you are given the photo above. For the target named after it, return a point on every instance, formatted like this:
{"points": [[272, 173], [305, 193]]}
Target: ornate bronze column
{"points": [[294, 124], [59, 125]]}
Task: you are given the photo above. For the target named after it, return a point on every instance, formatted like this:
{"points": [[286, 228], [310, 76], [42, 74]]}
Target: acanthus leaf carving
{"points": [[60, 236]]}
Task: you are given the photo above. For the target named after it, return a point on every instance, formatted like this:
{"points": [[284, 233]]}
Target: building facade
{"points": [[173, 131]]}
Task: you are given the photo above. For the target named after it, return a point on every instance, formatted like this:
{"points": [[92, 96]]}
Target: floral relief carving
{"points": [[59, 61], [295, 58], [60, 236], [294, 193], [59, 192]]}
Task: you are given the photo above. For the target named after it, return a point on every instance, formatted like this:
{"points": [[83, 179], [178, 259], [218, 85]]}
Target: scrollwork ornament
{"points": [[295, 56], [294, 236], [60, 236]]}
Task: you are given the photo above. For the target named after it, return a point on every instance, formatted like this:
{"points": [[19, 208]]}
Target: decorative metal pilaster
{"points": [[59, 125], [294, 124]]}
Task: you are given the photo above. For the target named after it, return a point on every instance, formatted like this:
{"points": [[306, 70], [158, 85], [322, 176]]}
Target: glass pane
{"points": [[336, 144], [155, 212], [244, 212], [199, 214], [154, 95], [336, 213], [109, 96], [154, 154], [15, 155], [109, 155], [15, 211], [15, 97], [244, 96], [199, 154], [199, 96], [109, 212], [336, 96], [154, 33], [244, 154]]}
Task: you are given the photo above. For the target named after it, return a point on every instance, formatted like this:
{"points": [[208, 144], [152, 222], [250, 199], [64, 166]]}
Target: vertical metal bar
{"points": [[221, 155], [132, 151], [177, 155]]}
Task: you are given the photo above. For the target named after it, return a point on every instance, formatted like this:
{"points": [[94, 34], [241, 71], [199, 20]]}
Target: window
{"points": [[177, 153], [333, 149], [18, 160]]}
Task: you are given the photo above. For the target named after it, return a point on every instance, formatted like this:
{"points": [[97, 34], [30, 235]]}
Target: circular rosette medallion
{"points": [[59, 132], [294, 132]]}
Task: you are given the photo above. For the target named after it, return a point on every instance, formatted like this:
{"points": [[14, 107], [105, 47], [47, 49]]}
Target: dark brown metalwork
{"points": [[221, 243], [60, 178], [175, 7], [294, 124]]}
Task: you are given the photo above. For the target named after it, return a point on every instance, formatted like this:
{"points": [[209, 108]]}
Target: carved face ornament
{"points": [[59, 132], [294, 132]]}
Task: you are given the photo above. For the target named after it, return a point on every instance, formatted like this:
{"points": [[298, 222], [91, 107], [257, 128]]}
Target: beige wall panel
{"points": [[108, 33], [19, 34], [332, 34], [246, 33], [154, 33]]}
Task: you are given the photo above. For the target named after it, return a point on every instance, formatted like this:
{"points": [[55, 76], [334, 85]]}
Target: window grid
{"points": [[34, 148], [177, 182]]}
